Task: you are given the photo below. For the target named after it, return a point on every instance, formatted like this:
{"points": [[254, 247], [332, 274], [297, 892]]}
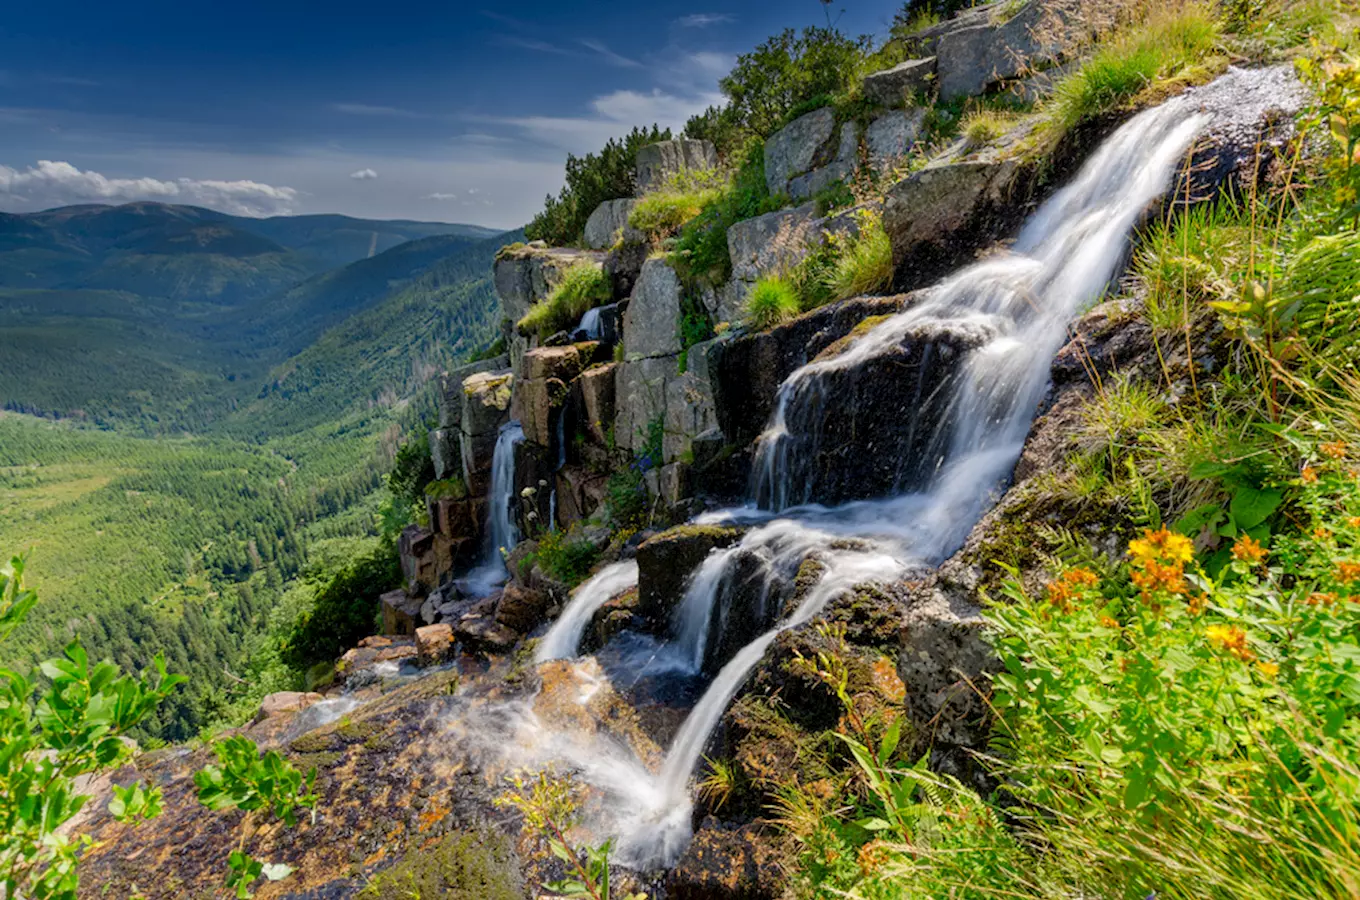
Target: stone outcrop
{"points": [[640, 398], [541, 390], [486, 407], [608, 223], [528, 273], [771, 242], [667, 561], [691, 407], [892, 135], [400, 613], [658, 163], [651, 326], [810, 154], [973, 58], [285, 703], [902, 84], [434, 643]]}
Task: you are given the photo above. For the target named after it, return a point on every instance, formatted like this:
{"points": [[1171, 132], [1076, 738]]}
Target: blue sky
{"points": [[451, 111]]}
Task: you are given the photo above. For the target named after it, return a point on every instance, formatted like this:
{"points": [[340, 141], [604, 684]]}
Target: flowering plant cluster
{"points": [[1146, 696]]}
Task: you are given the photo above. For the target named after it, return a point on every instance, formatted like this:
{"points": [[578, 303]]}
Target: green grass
{"points": [[663, 212], [583, 286], [864, 263], [771, 302], [982, 126], [1168, 41]]}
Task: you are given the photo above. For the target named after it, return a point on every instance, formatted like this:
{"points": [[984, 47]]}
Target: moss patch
{"points": [[477, 865]]}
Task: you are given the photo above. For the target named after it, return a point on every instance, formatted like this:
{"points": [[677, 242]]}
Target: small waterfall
{"points": [[563, 639], [590, 324], [502, 535], [1001, 321]]}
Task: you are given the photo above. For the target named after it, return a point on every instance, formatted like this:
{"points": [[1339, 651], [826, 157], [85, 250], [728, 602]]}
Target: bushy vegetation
{"points": [[772, 302], [345, 609], [583, 287], [863, 259], [788, 72], [591, 180], [1159, 45], [662, 212], [564, 557], [701, 249]]}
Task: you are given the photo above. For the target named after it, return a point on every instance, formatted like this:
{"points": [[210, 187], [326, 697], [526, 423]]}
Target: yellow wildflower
{"points": [[1229, 638], [1268, 669], [1162, 545]]}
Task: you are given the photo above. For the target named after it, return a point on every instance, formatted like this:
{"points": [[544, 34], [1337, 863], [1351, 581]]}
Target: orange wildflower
{"points": [[1320, 599], [872, 857], [1248, 551], [1353, 521], [1347, 572], [1153, 576], [1229, 638], [1335, 450], [1109, 622], [1309, 475], [1321, 534], [1069, 587]]}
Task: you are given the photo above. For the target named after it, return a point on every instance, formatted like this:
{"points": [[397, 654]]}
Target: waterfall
{"points": [[1001, 321], [563, 639], [502, 535], [590, 324]]}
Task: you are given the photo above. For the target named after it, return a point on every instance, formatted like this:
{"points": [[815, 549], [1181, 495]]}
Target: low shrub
{"points": [[583, 287], [700, 251], [771, 302], [564, 558], [864, 263], [661, 213]]}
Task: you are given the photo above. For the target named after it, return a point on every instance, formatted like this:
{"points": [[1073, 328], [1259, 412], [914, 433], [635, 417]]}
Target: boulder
{"points": [[640, 399], [774, 241], [839, 168], [972, 59], [434, 643], [724, 302], [285, 702], [935, 213], [451, 389], [658, 163], [793, 150], [902, 84], [596, 408], [486, 407], [944, 661], [667, 561], [623, 265], [729, 863], [521, 608], [483, 634], [892, 135], [752, 367], [443, 452], [526, 274], [416, 549], [400, 612], [608, 222], [690, 411], [651, 326], [542, 389], [580, 491]]}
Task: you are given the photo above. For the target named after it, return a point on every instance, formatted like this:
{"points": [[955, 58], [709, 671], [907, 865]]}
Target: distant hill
{"points": [[166, 317]]}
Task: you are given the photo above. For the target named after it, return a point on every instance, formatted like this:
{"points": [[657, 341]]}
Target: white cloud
{"points": [[442, 196], [614, 115], [55, 183], [704, 20], [363, 175]]}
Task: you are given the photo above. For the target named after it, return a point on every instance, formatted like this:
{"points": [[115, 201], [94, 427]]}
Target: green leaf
{"points": [[1250, 507]]}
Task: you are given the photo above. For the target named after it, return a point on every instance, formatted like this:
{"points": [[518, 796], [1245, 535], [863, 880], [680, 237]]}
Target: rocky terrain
{"points": [[412, 758]]}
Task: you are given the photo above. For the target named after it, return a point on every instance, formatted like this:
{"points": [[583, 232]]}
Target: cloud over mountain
{"points": [[56, 183]]}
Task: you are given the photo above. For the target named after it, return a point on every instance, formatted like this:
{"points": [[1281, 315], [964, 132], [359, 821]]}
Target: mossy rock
{"points": [[322, 760], [477, 865], [314, 742]]}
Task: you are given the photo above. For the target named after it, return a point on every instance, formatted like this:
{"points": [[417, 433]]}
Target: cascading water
{"points": [[1012, 311], [590, 324], [501, 531], [563, 639]]}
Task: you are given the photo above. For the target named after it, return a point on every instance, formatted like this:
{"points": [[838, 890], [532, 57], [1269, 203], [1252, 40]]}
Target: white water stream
{"points": [[502, 535], [1019, 304]]}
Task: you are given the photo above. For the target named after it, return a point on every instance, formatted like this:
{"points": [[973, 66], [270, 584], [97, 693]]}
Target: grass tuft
{"points": [[772, 301], [583, 287]]}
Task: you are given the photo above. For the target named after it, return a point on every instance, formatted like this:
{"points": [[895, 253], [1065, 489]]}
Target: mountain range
{"points": [[168, 318]]}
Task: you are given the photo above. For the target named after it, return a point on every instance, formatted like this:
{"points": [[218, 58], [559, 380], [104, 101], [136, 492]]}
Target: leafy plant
{"points": [[566, 559], [549, 806], [1337, 80], [253, 783], [582, 287], [50, 736], [772, 301]]}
